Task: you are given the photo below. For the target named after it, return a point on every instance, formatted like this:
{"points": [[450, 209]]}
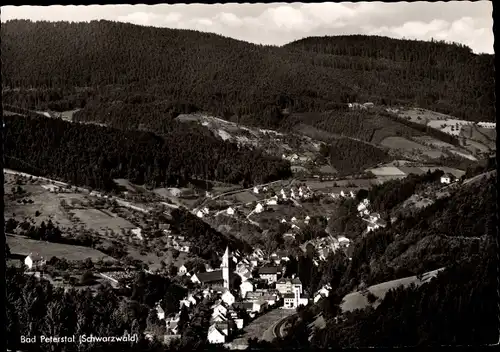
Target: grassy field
{"points": [[47, 204], [421, 116], [406, 145], [450, 126], [154, 261], [358, 300], [24, 246], [262, 326], [387, 171], [455, 172], [99, 221]]}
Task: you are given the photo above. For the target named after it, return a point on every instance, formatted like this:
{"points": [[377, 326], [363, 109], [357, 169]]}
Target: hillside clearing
{"points": [[359, 300], [23, 246]]}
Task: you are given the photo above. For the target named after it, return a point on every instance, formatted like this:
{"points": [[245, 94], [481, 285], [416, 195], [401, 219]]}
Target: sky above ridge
{"points": [[469, 23]]}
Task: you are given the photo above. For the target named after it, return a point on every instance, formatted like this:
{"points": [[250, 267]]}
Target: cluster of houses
{"points": [[296, 193], [343, 194], [374, 221], [202, 212], [489, 125], [231, 301], [298, 159], [359, 106], [179, 242], [326, 245]]}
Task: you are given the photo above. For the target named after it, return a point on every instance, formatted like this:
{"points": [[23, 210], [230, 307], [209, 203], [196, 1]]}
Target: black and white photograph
{"points": [[265, 176]]}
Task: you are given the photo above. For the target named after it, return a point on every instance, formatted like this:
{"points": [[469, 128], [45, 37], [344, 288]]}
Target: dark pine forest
{"points": [[101, 62]]}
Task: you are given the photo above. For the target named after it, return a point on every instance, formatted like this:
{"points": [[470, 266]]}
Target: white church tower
{"points": [[296, 292], [227, 260]]}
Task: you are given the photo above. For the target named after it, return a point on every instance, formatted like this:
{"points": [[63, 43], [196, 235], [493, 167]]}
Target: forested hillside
{"points": [[93, 156], [70, 64]]}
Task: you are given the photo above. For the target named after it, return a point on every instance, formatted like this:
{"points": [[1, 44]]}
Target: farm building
{"points": [[34, 260], [447, 178], [259, 208]]}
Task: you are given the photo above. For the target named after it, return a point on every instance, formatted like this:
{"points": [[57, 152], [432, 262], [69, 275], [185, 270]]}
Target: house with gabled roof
{"points": [[245, 287], [270, 273], [215, 336], [34, 260], [228, 298]]}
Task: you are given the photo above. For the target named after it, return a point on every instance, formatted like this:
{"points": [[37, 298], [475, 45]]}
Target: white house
{"points": [[182, 270], [351, 193], [215, 336], [447, 178], [230, 211], [259, 208], [255, 190], [239, 323], [306, 220], [272, 201], [138, 233], [160, 312], [228, 298], [205, 211], [283, 194], [219, 308], [195, 279], [292, 194], [199, 214], [34, 260], [342, 193], [246, 286], [294, 219], [283, 220]]}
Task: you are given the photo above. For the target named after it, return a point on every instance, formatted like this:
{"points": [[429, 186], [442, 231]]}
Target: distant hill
{"points": [[71, 65]]}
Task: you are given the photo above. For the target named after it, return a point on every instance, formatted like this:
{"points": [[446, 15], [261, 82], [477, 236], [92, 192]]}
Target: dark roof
{"points": [[269, 270], [254, 294], [244, 305], [289, 295], [283, 280], [296, 281], [211, 276]]}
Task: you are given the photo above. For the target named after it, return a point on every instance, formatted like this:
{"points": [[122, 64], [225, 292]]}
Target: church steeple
{"points": [[226, 265]]}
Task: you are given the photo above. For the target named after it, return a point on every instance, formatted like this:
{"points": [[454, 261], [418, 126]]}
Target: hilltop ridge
{"points": [[228, 77]]}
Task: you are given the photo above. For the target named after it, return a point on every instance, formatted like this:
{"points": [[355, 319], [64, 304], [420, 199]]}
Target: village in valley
{"points": [[81, 238], [173, 183]]}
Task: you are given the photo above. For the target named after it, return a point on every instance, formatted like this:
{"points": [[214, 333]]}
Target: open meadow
{"points": [[21, 245], [359, 300]]}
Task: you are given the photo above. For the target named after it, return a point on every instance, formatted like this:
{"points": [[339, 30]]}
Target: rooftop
{"points": [[211, 276], [269, 270]]}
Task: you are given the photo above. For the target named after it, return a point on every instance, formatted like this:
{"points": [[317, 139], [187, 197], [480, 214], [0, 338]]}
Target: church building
{"points": [[218, 278]]}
